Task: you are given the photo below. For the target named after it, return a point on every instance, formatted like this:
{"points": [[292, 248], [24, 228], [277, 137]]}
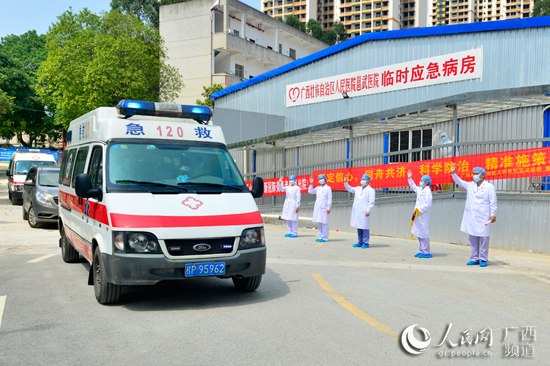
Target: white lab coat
{"points": [[481, 203], [323, 202], [363, 202], [421, 225], [292, 200]]}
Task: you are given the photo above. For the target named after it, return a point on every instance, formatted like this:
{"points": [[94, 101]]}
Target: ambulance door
{"points": [[66, 194], [78, 218], [95, 212]]}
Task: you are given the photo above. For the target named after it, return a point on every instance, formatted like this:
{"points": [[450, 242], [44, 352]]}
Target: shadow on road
{"points": [[197, 293]]}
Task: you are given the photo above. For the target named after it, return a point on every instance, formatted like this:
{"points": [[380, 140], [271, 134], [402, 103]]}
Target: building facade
{"points": [[470, 11], [227, 43], [358, 17], [502, 111], [377, 15]]}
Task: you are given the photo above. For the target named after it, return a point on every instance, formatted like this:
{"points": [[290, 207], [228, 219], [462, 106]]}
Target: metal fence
{"points": [[515, 185]]}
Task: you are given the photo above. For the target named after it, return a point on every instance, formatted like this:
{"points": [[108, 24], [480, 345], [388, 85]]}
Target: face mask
{"points": [[477, 178], [444, 139], [292, 182], [421, 184], [321, 181], [364, 183]]}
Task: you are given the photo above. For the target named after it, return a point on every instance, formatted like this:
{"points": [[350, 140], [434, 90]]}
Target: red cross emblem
{"points": [[192, 203]]}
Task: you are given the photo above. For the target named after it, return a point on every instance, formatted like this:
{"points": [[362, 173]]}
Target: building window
{"points": [[406, 140], [292, 53], [239, 70], [280, 48]]}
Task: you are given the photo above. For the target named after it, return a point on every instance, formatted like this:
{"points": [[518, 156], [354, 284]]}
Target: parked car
{"points": [[40, 192]]}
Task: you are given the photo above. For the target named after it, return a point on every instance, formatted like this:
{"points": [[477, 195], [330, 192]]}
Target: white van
{"points": [[20, 164], [149, 192]]}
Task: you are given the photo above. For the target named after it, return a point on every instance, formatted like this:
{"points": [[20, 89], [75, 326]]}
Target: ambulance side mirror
{"points": [[83, 187], [8, 173], [257, 187]]}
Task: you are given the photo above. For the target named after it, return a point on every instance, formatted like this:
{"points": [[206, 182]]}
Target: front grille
{"points": [[182, 247]]}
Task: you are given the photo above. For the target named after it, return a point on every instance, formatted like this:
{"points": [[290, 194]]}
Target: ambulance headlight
{"points": [[252, 238], [132, 242]]}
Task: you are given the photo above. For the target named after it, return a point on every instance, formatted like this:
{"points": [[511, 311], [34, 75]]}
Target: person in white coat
{"points": [[421, 220], [363, 202], [291, 206], [323, 204], [480, 211]]}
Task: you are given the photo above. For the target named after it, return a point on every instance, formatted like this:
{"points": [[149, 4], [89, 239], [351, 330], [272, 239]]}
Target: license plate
{"points": [[204, 269]]}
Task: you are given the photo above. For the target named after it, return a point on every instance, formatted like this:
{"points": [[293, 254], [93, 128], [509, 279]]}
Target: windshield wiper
{"points": [[152, 184], [240, 189]]}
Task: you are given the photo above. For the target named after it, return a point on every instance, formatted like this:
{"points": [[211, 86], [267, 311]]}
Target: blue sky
{"points": [[20, 16]]}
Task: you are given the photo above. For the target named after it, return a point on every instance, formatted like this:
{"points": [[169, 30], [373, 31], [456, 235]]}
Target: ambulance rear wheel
{"points": [[247, 284], [68, 253], [105, 292]]}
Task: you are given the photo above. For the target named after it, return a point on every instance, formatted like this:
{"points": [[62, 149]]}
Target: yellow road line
{"points": [[353, 309]]}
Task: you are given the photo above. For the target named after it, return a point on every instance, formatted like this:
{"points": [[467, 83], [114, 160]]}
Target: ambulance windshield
{"points": [[145, 167]]}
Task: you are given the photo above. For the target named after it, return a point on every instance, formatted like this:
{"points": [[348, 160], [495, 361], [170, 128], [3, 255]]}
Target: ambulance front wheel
{"points": [[247, 284], [105, 292]]}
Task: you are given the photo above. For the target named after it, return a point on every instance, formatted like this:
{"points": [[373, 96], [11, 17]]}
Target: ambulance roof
{"points": [[103, 124], [27, 156]]}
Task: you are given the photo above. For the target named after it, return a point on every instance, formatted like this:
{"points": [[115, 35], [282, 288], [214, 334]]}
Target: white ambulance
{"points": [[20, 164], [149, 192]]}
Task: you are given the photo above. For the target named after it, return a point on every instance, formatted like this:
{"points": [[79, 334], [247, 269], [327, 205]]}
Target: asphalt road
{"points": [[318, 304]]}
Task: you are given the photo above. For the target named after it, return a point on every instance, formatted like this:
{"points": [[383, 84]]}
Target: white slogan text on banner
{"points": [[448, 68]]}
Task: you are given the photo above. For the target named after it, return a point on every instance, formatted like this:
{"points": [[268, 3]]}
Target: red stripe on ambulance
{"points": [[97, 211], [139, 221]]}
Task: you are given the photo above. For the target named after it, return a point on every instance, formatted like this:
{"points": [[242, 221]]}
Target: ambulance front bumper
{"points": [[149, 269]]}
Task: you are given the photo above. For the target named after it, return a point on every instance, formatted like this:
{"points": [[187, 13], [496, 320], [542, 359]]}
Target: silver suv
{"points": [[40, 193]]}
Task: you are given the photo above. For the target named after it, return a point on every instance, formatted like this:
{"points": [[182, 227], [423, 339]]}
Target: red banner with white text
{"points": [[503, 165]]}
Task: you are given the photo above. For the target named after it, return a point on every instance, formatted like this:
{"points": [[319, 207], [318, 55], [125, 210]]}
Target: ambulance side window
{"points": [[63, 167], [96, 167], [79, 164], [69, 168]]}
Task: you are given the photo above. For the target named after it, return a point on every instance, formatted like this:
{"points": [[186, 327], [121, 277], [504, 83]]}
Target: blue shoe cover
{"points": [[318, 239], [472, 263], [429, 255], [287, 235], [322, 241], [357, 245], [417, 255], [364, 246], [483, 264], [293, 236]]}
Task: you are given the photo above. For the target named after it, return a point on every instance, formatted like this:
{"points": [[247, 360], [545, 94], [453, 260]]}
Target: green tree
{"points": [[207, 102], [29, 48], [20, 57], [293, 21], [340, 30], [315, 30], [96, 61], [541, 8], [6, 102], [330, 37], [147, 11]]}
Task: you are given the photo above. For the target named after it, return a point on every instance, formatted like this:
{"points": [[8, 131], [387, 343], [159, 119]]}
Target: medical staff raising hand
{"points": [[480, 211], [421, 215], [363, 202], [323, 204], [291, 206]]}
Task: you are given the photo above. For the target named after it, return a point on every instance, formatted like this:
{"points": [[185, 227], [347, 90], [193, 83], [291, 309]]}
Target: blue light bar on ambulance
{"points": [[128, 108]]}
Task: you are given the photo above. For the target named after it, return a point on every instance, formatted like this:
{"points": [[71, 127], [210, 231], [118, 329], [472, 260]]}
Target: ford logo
{"points": [[203, 247]]}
